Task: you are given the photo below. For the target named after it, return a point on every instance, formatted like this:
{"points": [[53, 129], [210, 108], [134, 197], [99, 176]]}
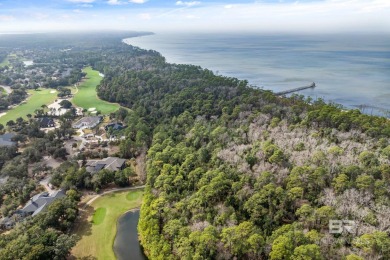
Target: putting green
{"points": [[99, 215]]}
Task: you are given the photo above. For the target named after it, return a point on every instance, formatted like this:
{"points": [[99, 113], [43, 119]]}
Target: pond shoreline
{"points": [[126, 243], [98, 238]]}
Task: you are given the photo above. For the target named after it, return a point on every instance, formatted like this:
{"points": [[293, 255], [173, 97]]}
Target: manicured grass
{"points": [[86, 96], [99, 215], [98, 225], [131, 196], [36, 99]]}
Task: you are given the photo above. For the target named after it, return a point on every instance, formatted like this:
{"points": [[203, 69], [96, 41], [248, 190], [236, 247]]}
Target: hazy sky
{"points": [[227, 15]]}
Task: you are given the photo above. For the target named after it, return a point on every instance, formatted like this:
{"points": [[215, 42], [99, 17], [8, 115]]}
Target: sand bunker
{"points": [[91, 109], [53, 91], [55, 109], [2, 114]]}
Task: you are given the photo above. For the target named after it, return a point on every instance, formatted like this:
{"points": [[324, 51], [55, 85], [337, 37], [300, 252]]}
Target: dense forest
{"points": [[235, 172]]}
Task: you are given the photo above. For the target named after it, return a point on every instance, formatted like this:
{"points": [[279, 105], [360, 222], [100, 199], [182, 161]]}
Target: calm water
{"points": [[349, 70], [126, 244]]}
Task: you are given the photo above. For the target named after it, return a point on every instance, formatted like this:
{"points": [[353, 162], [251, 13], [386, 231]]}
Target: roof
{"points": [[115, 126], [40, 201], [46, 121], [109, 163], [88, 121], [6, 139]]}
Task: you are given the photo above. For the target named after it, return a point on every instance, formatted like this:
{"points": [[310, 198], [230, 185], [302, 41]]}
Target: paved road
{"points": [[111, 191]]}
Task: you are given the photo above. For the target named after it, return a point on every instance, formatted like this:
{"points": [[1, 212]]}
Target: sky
{"points": [[293, 16]]}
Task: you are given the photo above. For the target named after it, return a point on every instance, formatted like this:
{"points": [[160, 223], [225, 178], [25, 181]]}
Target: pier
{"points": [[312, 85]]}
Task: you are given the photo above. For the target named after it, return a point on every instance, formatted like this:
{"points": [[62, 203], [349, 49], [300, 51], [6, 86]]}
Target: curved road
{"points": [[111, 191]]}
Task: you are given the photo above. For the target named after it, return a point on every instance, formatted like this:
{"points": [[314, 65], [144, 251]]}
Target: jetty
{"points": [[312, 85]]}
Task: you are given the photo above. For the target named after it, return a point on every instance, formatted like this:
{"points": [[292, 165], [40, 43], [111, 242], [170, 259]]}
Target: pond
{"points": [[126, 244]]}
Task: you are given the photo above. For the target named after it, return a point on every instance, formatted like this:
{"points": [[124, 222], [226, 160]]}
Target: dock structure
{"points": [[312, 85]]}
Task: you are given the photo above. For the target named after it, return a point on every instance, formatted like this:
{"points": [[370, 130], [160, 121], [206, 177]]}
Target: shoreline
{"points": [[277, 79], [117, 223]]}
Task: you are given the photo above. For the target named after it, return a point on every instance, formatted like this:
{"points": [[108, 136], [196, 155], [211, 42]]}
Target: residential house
{"points": [[87, 122], [114, 126], [46, 122], [109, 163], [40, 202], [6, 140], [36, 205]]}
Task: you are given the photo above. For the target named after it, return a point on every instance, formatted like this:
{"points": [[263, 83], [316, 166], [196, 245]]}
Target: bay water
{"points": [[351, 70]]}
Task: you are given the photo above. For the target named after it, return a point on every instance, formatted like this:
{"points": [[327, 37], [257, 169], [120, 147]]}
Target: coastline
{"points": [[335, 84]]}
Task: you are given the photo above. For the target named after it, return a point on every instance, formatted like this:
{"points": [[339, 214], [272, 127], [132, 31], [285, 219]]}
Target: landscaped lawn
{"points": [[98, 230], [36, 99], [87, 98]]}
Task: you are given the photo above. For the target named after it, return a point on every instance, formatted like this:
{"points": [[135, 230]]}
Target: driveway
{"points": [[45, 183]]}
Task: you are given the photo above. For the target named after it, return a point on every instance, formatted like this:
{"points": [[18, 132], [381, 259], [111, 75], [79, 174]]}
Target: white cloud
{"points": [[145, 16], [77, 11], [86, 5], [138, 1], [115, 2], [82, 1], [327, 16], [6, 18], [40, 16], [191, 16], [188, 4]]}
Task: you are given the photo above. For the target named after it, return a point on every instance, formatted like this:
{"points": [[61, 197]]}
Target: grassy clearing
{"points": [[36, 99], [97, 227], [86, 96]]}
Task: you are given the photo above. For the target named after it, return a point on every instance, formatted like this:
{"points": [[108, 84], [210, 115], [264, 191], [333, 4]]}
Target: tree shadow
{"points": [[83, 227]]}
